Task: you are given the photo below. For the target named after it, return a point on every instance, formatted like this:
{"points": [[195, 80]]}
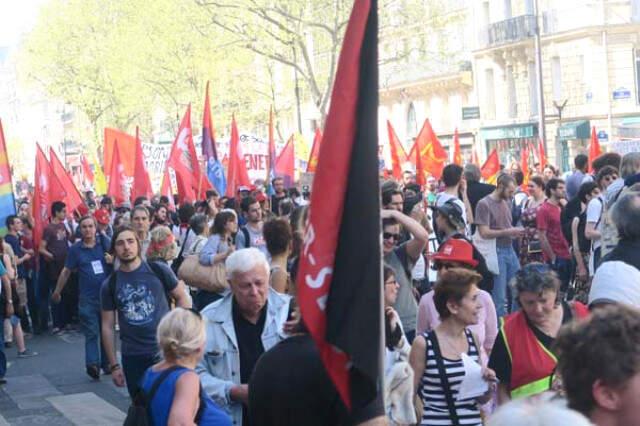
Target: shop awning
{"points": [[515, 131], [575, 130]]}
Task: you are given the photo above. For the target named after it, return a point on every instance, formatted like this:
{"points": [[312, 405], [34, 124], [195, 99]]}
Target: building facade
{"points": [[590, 74]]}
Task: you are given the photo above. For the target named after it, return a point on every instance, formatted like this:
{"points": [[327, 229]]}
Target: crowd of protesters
{"points": [[515, 278]]}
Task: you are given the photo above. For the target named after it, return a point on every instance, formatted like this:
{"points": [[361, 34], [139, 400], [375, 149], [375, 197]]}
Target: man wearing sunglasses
{"points": [[402, 258]]}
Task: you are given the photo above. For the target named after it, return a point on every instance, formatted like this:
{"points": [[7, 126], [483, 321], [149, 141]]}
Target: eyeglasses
{"points": [[437, 266], [390, 235], [391, 282]]}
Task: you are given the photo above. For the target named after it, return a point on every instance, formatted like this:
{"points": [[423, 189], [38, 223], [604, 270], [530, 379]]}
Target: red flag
{"points": [[286, 163], [126, 151], [339, 282], [166, 189], [184, 161], [542, 155], [457, 155], [594, 148], [117, 179], [526, 171], [73, 199], [86, 169], [432, 155], [47, 190], [315, 152], [398, 155], [237, 175], [141, 183], [491, 168]]}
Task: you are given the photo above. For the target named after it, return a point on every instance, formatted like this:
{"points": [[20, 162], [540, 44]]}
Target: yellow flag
{"points": [[99, 181]]}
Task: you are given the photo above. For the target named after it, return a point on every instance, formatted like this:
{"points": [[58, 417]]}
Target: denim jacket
{"points": [[219, 369]]}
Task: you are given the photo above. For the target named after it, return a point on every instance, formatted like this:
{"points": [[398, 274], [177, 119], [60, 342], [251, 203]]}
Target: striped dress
{"points": [[436, 411]]}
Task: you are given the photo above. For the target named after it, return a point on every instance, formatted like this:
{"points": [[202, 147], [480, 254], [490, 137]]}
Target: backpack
{"points": [[175, 265], [139, 412], [609, 231], [247, 237], [158, 272]]}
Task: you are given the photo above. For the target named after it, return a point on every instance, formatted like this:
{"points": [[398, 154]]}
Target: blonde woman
{"points": [[162, 245], [178, 399]]}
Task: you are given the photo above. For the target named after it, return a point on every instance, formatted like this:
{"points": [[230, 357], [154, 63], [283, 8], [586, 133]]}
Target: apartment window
{"points": [[490, 94], [412, 122], [556, 79], [511, 93], [507, 9], [533, 89]]}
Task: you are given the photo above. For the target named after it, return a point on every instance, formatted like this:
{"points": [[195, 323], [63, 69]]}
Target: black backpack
{"points": [[139, 412], [247, 237]]}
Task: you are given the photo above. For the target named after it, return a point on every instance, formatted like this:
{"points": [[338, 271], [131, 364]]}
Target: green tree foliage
{"points": [[120, 62]]}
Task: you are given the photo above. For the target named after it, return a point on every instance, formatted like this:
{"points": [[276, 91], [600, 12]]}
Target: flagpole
{"points": [[201, 165]]}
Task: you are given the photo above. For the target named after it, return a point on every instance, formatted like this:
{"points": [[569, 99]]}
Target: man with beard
{"points": [[138, 291], [494, 221]]}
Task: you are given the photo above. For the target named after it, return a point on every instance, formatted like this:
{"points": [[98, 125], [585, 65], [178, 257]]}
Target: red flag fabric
{"points": [[237, 175], [542, 155], [457, 155], [72, 199], [286, 163], [166, 189], [594, 148], [126, 151], [432, 155], [315, 152], [184, 161], [47, 190], [86, 169], [117, 179], [339, 282], [526, 171], [398, 155], [141, 182], [491, 168]]}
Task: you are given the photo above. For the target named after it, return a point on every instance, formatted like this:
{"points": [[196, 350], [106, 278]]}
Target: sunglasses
{"points": [[437, 266], [390, 235]]}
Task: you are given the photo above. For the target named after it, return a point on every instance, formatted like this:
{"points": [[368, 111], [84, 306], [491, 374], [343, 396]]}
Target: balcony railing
{"points": [[509, 31]]}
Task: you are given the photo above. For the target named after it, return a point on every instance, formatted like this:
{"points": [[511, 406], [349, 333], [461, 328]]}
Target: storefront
{"points": [[467, 142], [510, 141], [573, 139]]}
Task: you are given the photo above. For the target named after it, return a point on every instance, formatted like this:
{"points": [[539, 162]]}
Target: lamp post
{"points": [[538, 52], [560, 108]]}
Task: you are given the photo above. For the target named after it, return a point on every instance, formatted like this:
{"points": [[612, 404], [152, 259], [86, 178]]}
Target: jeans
{"points": [[564, 270], [508, 265], [46, 286], [30, 322], [134, 367], [90, 324]]}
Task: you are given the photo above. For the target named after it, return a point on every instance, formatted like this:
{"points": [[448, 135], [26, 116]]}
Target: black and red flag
{"points": [[339, 282]]}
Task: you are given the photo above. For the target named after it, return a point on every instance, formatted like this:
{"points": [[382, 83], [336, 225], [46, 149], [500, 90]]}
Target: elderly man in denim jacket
{"points": [[240, 327]]}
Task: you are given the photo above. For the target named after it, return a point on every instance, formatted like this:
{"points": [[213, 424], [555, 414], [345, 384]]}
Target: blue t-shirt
{"points": [[91, 267], [14, 242], [211, 414], [140, 299]]}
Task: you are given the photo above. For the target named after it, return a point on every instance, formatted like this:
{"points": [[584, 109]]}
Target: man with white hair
{"points": [[240, 327]]}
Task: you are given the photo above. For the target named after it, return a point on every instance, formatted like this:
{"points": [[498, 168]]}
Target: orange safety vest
{"points": [[532, 364]]}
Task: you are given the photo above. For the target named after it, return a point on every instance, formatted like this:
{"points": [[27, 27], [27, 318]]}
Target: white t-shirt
{"points": [[594, 212]]}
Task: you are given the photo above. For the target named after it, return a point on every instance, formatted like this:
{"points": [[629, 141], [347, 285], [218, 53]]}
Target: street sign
{"points": [[603, 136], [621, 93], [470, 113]]}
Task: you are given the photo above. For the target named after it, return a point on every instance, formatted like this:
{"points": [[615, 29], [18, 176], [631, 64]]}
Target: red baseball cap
{"points": [[456, 250], [102, 216], [260, 197]]}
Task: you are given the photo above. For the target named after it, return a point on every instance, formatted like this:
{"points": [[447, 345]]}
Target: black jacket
{"points": [[626, 251]]}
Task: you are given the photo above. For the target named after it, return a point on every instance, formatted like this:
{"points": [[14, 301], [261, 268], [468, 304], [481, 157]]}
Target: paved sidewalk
{"points": [[53, 389]]}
